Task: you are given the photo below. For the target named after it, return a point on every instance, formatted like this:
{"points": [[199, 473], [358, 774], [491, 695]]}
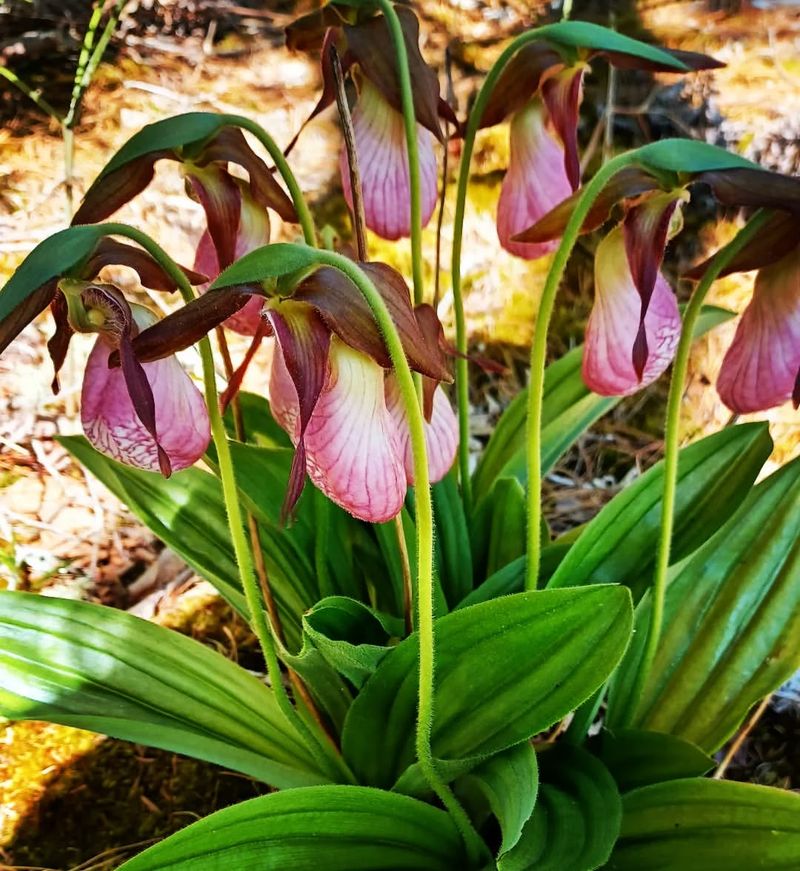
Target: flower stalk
{"points": [[318, 744], [672, 443]]}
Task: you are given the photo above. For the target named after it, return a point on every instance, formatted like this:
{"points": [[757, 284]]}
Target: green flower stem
{"points": [[324, 754], [539, 357], [672, 444], [424, 528], [300, 205], [410, 122], [462, 370]]}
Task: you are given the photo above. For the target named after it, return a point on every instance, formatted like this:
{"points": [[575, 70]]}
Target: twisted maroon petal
{"points": [[562, 93]]}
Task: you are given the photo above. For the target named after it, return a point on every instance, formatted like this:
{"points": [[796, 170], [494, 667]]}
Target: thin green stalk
{"points": [[31, 93], [539, 359], [300, 205], [424, 528], [410, 122], [83, 62], [672, 444], [318, 744]]}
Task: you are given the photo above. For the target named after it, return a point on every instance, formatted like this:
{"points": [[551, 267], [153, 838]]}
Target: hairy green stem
{"points": [[539, 359], [300, 205], [424, 529], [672, 446], [410, 122], [318, 744]]}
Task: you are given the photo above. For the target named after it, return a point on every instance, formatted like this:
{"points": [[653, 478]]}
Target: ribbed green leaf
{"points": [[620, 543], [637, 758], [505, 670], [576, 819], [690, 155], [498, 527], [453, 554], [96, 668], [270, 261], [508, 783], [708, 825], [731, 624], [324, 828]]}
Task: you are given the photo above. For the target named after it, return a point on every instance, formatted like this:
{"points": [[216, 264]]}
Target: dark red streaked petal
{"points": [[58, 344], [221, 201], [757, 188], [779, 236], [562, 94], [304, 342], [519, 81], [112, 191], [628, 182], [796, 391], [189, 324], [344, 310], [110, 252], [235, 384], [370, 45], [229, 145], [694, 61], [28, 310], [645, 229], [308, 32], [141, 394]]}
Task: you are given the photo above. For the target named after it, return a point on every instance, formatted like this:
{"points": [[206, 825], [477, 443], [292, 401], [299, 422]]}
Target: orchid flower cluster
{"points": [[421, 665]]}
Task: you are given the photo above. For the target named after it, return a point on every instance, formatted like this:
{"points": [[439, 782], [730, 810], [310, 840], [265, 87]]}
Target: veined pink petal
{"points": [[383, 164], [352, 442], [441, 432], [760, 368], [252, 232], [112, 425], [535, 183], [614, 324]]}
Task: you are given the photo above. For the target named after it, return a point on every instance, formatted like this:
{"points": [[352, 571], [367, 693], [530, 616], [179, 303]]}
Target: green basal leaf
{"points": [[52, 258], [731, 624], [166, 135], [508, 783], [100, 669], [259, 424], [691, 156], [584, 34], [335, 828], [498, 527], [708, 825], [620, 543], [270, 261], [452, 541], [352, 637], [506, 670], [576, 819], [637, 758]]}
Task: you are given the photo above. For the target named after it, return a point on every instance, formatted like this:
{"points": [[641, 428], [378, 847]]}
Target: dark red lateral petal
{"points": [[645, 229], [28, 310], [235, 384], [110, 252], [628, 182], [308, 32], [519, 81], [304, 342], [694, 60], [756, 188], [189, 324], [112, 191], [229, 145], [221, 201], [58, 344], [796, 391], [370, 45], [562, 95], [141, 394]]}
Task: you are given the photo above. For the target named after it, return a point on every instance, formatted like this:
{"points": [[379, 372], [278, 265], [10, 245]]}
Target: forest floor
{"points": [[70, 799]]}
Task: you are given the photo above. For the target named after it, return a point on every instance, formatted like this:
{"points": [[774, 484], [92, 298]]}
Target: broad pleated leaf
{"points": [[96, 668], [620, 543], [506, 670], [508, 783], [708, 825], [731, 624], [576, 819], [327, 828], [637, 758]]}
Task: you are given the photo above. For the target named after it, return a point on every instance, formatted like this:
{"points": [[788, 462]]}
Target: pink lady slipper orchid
{"points": [[377, 120], [148, 416], [541, 89]]}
